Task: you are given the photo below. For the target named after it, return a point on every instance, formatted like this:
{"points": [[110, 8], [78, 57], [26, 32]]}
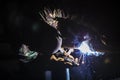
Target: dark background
{"points": [[103, 16]]}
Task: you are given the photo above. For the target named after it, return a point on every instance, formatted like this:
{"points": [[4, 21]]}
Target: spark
{"points": [[86, 49], [86, 54]]}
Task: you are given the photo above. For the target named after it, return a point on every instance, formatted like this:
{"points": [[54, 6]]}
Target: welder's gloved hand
{"points": [[26, 55]]}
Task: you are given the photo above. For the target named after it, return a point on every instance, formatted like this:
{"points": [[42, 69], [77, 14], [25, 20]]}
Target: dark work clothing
{"points": [[43, 40]]}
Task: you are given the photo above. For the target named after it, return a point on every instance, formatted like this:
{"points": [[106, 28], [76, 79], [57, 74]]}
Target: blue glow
{"points": [[86, 53], [67, 74], [48, 75], [86, 48]]}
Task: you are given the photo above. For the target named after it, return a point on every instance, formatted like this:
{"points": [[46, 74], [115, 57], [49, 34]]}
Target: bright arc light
{"points": [[86, 48]]}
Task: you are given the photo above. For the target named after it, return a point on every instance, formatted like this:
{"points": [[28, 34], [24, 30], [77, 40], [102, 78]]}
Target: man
{"points": [[50, 17]]}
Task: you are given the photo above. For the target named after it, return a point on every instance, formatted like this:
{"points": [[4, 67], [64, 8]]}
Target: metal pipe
{"points": [[48, 75], [67, 74]]}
